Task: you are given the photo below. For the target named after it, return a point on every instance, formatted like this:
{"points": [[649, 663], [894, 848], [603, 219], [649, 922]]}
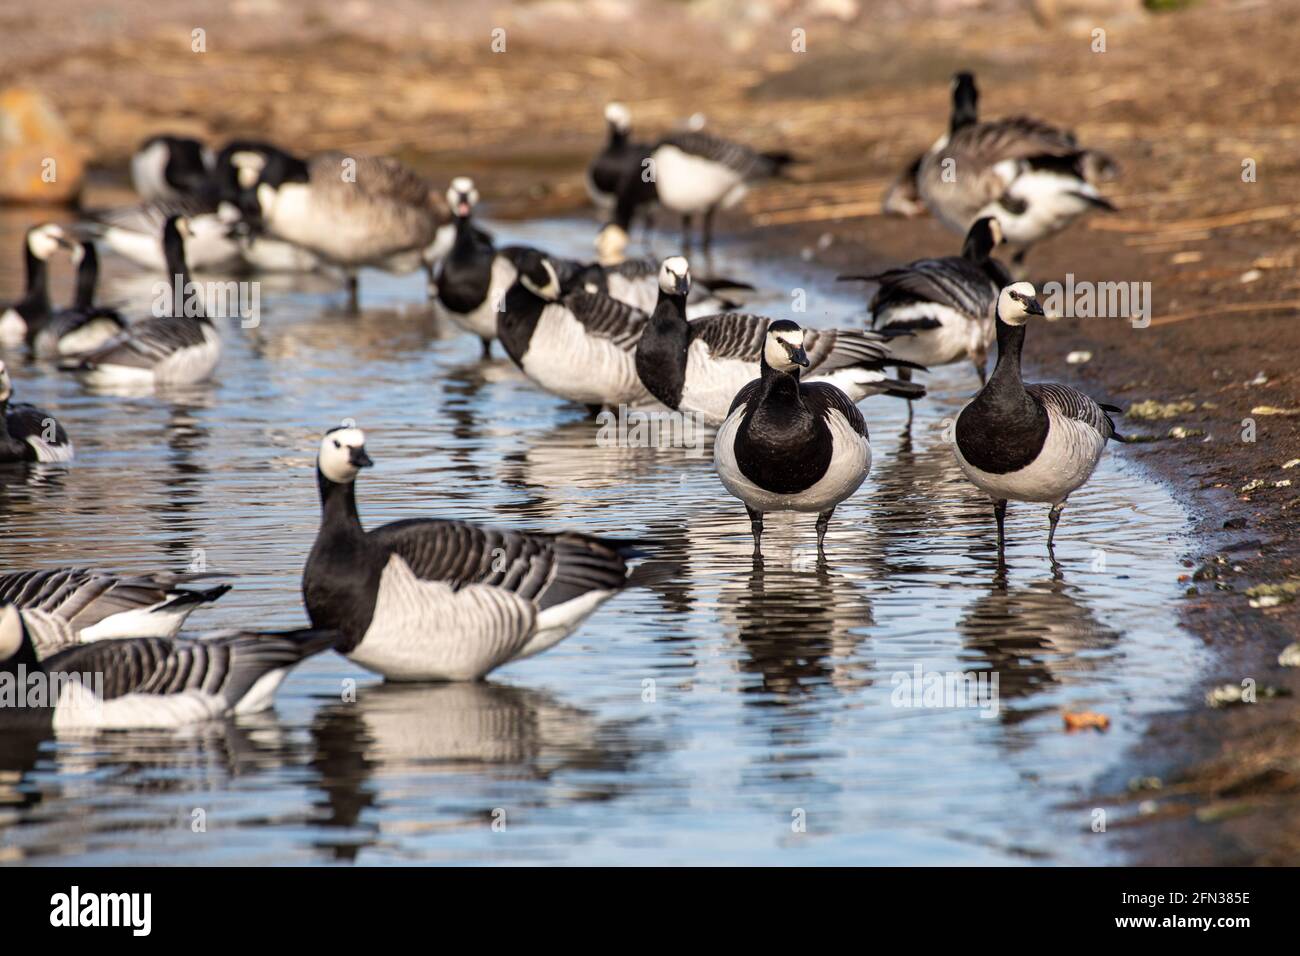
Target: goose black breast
{"points": [[785, 446], [1001, 433], [465, 279], [516, 323]]}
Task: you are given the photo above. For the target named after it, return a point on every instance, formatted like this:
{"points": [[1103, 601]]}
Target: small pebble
{"points": [[1290, 656], [1078, 358]]}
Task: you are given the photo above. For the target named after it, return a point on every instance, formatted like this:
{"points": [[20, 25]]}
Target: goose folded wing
{"points": [[146, 343], [1017, 137], [821, 398], [735, 156], [951, 281], [831, 349], [607, 317], [731, 335], [1074, 404]]}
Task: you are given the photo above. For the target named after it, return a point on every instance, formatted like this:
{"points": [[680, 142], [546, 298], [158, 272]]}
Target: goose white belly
{"points": [[87, 338], [47, 452], [425, 630], [13, 329], [276, 255], [78, 709], [1052, 204], [568, 361], [956, 338], [350, 238], [850, 462], [1068, 458], [689, 184], [185, 366]]}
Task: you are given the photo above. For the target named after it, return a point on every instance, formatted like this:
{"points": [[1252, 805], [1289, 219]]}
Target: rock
{"points": [[1151, 410], [1290, 656], [39, 162]]}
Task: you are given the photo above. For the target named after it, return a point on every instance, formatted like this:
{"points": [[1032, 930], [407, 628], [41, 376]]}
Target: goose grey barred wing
{"points": [[748, 162], [831, 349], [376, 177], [1016, 137], [145, 217], [634, 268], [146, 343], [732, 335], [1073, 403], [544, 568], [607, 317], [951, 281], [85, 596], [821, 398]]}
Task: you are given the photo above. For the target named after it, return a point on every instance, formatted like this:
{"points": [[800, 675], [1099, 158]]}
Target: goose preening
{"points": [[84, 326], [620, 157], [944, 307], [432, 599], [170, 168], [351, 211], [690, 173], [579, 345], [699, 366], [1028, 442], [33, 309], [472, 279], [79, 605], [179, 347], [788, 445], [1034, 178], [149, 682], [28, 433]]}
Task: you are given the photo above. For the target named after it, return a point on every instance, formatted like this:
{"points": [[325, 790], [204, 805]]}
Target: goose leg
{"points": [[1000, 512], [353, 296], [706, 239], [431, 282], [756, 526], [823, 521], [905, 375], [686, 233], [487, 348], [1053, 517]]}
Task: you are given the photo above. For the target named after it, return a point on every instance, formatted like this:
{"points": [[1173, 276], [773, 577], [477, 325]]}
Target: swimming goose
{"points": [[431, 599], [579, 345], [148, 681], [172, 168], [28, 433], [699, 366], [351, 211], [945, 304], [33, 309], [1034, 178], [788, 445], [84, 326], [691, 172], [620, 157], [1028, 442], [179, 347], [79, 605]]}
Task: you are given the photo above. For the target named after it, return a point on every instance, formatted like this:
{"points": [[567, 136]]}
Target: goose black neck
{"points": [[1006, 374], [178, 272], [87, 276], [978, 246], [25, 657], [37, 292], [779, 387], [965, 106], [617, 137], [338, 505]]}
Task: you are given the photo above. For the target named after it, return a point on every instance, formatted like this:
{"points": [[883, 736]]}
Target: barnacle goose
{"points": [[699, 366], [78, 605], [133, 232], [169, 168], [579, 345], [620, 157], [28, 433], [33, 309], [432, 599], [636, 283], [690, 172], [1028, 442], [945, 304], [84, 326], [153, 682], [177, 348], [352, 211], [1034, 178], [903, 196], [472, 279], [788, 445]]}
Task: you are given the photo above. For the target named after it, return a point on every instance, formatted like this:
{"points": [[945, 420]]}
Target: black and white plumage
{"points": [[1028, 442], [942, 309], [699, 366], [636, 283], [181, 346], [149, 682], [788, 445], [84, 326], [169, 168], [17, 319], [620, 157], [472, 279], [28, 433], [79, 605], [351, 211], [134, 233], [429, 599], [579, 345], [691, 173], [1035, 179]]}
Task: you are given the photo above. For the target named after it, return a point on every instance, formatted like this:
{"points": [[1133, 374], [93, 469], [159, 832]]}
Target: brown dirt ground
{"points": [[1181, 100]]}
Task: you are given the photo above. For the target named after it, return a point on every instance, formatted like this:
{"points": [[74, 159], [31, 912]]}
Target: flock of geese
{"points": [[436, 599]]}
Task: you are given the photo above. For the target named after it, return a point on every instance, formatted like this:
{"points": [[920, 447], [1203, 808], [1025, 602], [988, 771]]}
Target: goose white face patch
{"points": [[618, 116], [248, 167], [611, 244], [44, 240], [1010, 309], [336, 454], [671, 273], [462, 196], [11, 632], [550, 291], [775, 348], [6, 388]]}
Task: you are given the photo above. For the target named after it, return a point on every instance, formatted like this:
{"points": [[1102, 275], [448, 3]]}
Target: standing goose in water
{"points": [[33, 309], [789, 445], [179, 347], [28, 433], [1035, 179], [1028, 442], [620, 157], [84, 326], [431, 599], [472, 279]]}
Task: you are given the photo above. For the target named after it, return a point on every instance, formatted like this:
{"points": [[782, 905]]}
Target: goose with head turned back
{"points": [[33, 309], [432, 599], [84, 326], [28, 433], [1028, 442]]}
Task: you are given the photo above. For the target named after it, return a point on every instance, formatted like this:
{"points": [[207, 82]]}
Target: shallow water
{"points": [[739, 714]]}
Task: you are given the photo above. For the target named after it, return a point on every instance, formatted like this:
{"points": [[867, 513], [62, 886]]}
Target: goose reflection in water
{"points": [[450, 751]]}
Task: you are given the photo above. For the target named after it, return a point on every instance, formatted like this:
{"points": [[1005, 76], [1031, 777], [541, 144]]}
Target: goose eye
{"points": [[336, 443]]}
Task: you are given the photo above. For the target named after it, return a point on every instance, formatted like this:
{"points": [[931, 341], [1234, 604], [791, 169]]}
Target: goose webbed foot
{"points": [[756, 526]]}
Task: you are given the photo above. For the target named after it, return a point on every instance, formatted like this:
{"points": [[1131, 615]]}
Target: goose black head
{"points": [[343, 454], [619, 118], [983, 237], [538, 276], [46, 239], [1017, 303], [6, 386], [783, 348], [462, 197], [280, 170], [675, 276], [12, 632], [965, 101]]}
